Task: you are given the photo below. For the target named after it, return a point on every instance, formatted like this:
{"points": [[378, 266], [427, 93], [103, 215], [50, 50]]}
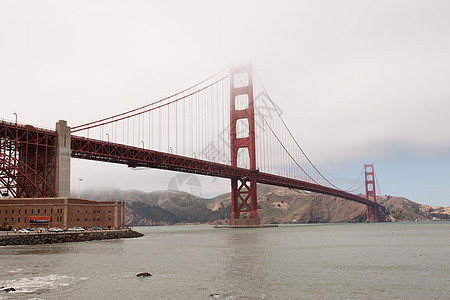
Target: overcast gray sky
{"points": [[358, 81]]}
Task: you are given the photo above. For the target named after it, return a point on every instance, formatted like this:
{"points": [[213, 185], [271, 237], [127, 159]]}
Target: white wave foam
{"points": [[39, 283], [15, 271]]}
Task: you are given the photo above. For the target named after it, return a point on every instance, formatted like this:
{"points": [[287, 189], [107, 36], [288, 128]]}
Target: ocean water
{"points": [[317, 261]]}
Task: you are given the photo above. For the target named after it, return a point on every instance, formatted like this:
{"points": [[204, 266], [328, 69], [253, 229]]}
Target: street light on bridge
{"points": [[16, 118], [79, 183], [107, 135]]}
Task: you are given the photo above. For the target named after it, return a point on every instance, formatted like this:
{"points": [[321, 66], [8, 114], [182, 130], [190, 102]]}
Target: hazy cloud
{"points": [[363, 80]]}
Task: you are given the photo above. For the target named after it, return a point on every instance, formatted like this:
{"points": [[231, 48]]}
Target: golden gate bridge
{"points": [[225, 126]]}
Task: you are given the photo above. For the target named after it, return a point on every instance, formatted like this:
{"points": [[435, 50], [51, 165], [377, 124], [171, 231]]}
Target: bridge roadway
{"points": [[86, 148]]}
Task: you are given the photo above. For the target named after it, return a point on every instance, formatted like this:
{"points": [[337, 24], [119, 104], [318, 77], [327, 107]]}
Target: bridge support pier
{"points": [[62, 159], [372, 214], [244, 201]]}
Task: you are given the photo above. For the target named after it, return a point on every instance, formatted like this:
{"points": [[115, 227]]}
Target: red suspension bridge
{"points": [[225, 126]]}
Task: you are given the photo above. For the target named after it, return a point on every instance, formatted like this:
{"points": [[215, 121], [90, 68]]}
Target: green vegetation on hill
{"points": [[405, 213], [401, 209], [149, 212], [178, 208]]}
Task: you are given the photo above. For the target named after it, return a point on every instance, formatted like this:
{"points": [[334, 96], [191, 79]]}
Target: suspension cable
{"points": [[111, 119], [351, 191], [284, 146], [290, 133], [77, 128], [360, 174], [376, 180]]}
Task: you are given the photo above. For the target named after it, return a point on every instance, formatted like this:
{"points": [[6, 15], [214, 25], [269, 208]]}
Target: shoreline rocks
{"points": [[66, 237]]}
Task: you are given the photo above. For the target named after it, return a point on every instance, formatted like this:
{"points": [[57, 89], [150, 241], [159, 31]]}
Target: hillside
{"points": [[282, 205], [276, 205], [163, 207], [402, 209]]}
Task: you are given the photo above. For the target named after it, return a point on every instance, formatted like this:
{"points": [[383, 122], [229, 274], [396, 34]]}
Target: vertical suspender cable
{"points": [[168, 128], [159, 130], [176, 127], [150, 145]]}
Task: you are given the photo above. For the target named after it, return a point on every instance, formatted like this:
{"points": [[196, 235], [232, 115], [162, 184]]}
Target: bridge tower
{"points": [[372, 215], [244, 206]]}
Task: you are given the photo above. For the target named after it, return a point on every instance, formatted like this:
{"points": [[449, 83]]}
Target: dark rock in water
{"points": [[7, 290], [215, 295], [144, 274]]}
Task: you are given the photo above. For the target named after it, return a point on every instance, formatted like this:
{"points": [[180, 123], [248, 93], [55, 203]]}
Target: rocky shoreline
{"points": [[66, 237]]}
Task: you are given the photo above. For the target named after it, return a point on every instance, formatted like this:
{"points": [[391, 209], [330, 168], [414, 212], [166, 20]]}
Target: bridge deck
{"points": [[91, 149], [85, 148]]}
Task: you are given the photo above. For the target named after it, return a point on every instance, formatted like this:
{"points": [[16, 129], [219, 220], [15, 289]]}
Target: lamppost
{"points": [[107, 135], [16, 118], [79, 183]]}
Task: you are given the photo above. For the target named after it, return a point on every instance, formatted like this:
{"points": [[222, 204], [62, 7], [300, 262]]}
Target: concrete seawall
{"points": [[66, 237]]}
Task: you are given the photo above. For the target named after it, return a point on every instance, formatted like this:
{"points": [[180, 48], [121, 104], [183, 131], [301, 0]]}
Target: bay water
{"points": [[326, 261]]}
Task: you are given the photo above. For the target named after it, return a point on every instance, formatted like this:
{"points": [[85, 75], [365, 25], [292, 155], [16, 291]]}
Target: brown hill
{"points": [[327, 209], [275, 205], [282, 205]]}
